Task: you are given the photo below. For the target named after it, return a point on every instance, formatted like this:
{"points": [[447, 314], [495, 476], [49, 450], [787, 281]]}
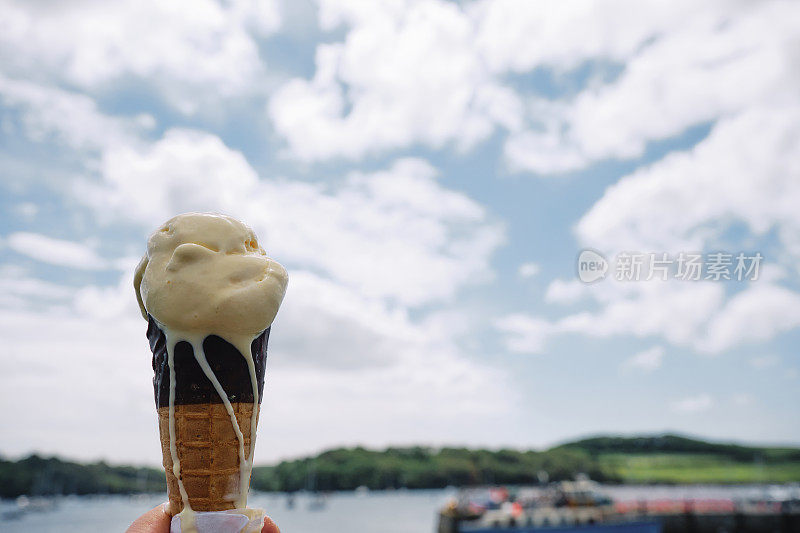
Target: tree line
{"points": [[410, 467], [421, 467]]}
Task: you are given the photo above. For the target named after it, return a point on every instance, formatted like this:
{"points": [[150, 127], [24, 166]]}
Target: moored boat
{"points": [[581, 506]]}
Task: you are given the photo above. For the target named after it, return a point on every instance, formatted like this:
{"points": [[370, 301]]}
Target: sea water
{"points": [[402, 511], [399, 511]]}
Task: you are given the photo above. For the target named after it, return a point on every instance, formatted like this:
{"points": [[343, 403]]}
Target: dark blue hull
{"points": [[626, 527]]}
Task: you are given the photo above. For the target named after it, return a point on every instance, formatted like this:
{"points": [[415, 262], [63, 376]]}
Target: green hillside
{"points": [[36, 475], [419, 467], [642, 459], [680, 444], [680, 459]]}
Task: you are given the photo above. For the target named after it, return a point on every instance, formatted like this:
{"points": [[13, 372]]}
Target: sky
{"points": [[429, 173]]}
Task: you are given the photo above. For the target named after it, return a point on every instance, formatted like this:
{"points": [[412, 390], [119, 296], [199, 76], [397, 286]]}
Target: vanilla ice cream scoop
{"points": [[206, 273]]}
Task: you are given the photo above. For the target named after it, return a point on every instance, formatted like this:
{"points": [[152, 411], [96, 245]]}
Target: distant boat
{"points": [[318, 502], [26, 505]]}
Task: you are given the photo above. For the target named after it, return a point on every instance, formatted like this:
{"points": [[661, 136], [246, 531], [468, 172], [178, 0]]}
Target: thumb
{"points": [[155, 520], [270, 526]]}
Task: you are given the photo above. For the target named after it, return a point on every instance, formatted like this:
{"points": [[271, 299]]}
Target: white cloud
{"points": [[406, 73], [186, 170], [69, 118], [261, 17], [327, 325], [677, 312], [679, 204], [191, 51], [524, 333], [683, 66], [56, 251], [92, 377], [395, 233], [20, 291], [565, 292], [646, 361], [517, 35], [528, 270], [755, 314], [541, 152], [434, 73], [693, 404], [695, 315]]}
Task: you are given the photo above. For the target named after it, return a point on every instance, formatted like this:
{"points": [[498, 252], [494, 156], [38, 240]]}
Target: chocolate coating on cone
{"points": [[191, 384]]}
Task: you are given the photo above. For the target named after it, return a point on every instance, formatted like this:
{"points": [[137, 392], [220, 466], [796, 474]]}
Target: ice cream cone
{"points": [[206, 442], [208, 450], [210, 294]]}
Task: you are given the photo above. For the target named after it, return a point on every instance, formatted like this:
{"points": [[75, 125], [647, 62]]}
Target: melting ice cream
{"points": [[206, 285]]}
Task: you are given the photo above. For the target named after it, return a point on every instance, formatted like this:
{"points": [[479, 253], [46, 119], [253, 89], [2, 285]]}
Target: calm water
{"points": [[376, 512], [389, 512]]}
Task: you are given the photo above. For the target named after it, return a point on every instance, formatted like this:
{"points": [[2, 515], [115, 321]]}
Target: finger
{"points": [[270, 526], [155, 520]]}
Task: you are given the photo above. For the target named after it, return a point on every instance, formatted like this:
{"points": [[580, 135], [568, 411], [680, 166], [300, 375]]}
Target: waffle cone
{"points": [[208, 451]]}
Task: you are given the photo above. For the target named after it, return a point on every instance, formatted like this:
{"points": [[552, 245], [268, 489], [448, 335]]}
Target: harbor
{"points": [[583, 506]]}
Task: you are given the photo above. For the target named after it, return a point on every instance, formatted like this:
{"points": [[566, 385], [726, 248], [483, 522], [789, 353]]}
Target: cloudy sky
{"points": [[428, 172]]}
